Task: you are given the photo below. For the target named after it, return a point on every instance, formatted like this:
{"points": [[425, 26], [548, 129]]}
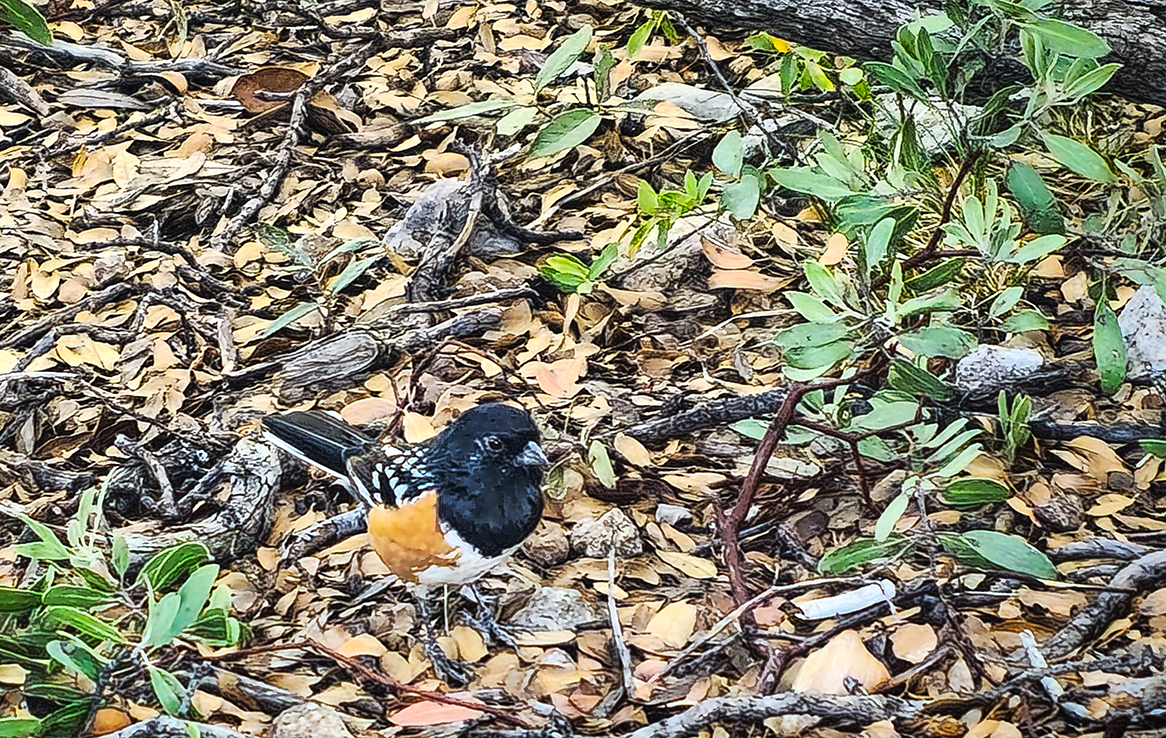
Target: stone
{"points": [[309, 720], [1143, 326], [548, 545], [673, 515], [443, 206], [594, 538], [555, 608], [989, 369]]}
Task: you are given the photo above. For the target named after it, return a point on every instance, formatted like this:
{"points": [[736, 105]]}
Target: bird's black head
{"points": [[493, 468]]}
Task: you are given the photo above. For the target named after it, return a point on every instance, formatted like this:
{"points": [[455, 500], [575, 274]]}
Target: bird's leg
{"points": [[484, 620], [450, 671]]}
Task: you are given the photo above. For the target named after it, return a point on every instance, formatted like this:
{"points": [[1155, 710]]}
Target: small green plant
{"points": [[1014, 423], [659, 210], [25, 17], [801, 68], [330, 291], [568, 273], [80, 623]]}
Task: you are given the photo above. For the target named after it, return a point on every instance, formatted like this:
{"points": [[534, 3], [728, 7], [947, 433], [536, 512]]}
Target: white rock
{"points": [[992, 368], [309, 720], [555, 608], [594, 538], [672, 514], [1143, 326]]}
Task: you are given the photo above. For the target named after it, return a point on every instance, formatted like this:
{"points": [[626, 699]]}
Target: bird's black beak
{"points": [[533, 456]]}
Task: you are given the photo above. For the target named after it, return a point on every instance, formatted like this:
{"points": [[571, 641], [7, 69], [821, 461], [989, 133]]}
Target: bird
{"points": [[444, 513]]}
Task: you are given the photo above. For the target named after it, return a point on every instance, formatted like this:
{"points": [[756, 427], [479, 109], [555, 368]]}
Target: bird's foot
{"points": [[451, 671]]}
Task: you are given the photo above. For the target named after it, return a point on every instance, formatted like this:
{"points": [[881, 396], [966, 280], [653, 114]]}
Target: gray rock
{"points": [[993, 368], [1143, 326], [555, 608], [548, 545], [309, 720], [594, 538]]}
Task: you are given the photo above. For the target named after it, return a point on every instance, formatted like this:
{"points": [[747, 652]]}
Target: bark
{"points": [[1136, 31]]}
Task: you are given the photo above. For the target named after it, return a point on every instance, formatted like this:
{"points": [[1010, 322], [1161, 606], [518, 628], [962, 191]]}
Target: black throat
{"points": [[492, 515]]}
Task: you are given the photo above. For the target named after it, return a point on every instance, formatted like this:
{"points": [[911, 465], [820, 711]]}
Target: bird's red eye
{"points": [[493, 443]]}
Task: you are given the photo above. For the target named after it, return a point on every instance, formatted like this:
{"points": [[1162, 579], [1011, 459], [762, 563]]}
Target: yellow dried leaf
{"points": [[724, 257], [1062, 602], [632, 450], [423, 714], [364, 644], [417, 428], [994, 729], [1154, 603], [368, 409], [825, 671], [693, 566], [470, 646], [673, 624], [835, 249], [44, 284], [544, 638], [1110, 504], [913, 643], [743, 279], [14, 674]]}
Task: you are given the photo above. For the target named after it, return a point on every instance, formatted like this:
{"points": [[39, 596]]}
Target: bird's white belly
{"points": [[468, 567]]}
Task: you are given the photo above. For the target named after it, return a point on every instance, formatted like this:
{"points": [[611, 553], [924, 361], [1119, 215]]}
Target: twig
{"points": [[483, 298], [621, 648], [28, 336], [929, 251], [165, 726], [729, 524], [167, 507]]}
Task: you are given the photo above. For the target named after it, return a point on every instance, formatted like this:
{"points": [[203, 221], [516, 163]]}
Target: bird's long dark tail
{"points": [[318, 438]]}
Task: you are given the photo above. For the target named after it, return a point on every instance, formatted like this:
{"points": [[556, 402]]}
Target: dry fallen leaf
{"points": [[674, 624], [914, 642], [825, 671], [426, 713]]}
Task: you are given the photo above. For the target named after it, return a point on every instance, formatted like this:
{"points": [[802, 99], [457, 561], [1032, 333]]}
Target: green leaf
{"points": [[878, 243], [809, 182], [83, 597], [1067, 38], [1109, 348], [1023, 321], [513, 122], [740, 198], [896, 79], [193, 595], [468, 110], [1038, 207], [605, 259], [168, 690], [939, 340], [1005, 301], [728, 156], [1154, 446], [291, 316], [83, 623], [120, 555], [171, 564], [565, 272], [959, 463], [14, 599], [823, 282], [565, 131], [975, 491], [859, 552], [949, 299], [50, 547], [600, 462], [646, 199], [1010, 553], [916, 381], [11, 727], [810, 334], [811, 307], [1091, 81], [160, 623], [640, 37], [351, 273], [1036, 249], [819, 357], [886, 522], [563, 57], [1078, 157], [25, 18], [936, 276], [75, 658]]}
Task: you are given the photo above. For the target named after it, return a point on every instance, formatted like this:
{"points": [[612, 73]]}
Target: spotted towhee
{"points": [[443, 513]]}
